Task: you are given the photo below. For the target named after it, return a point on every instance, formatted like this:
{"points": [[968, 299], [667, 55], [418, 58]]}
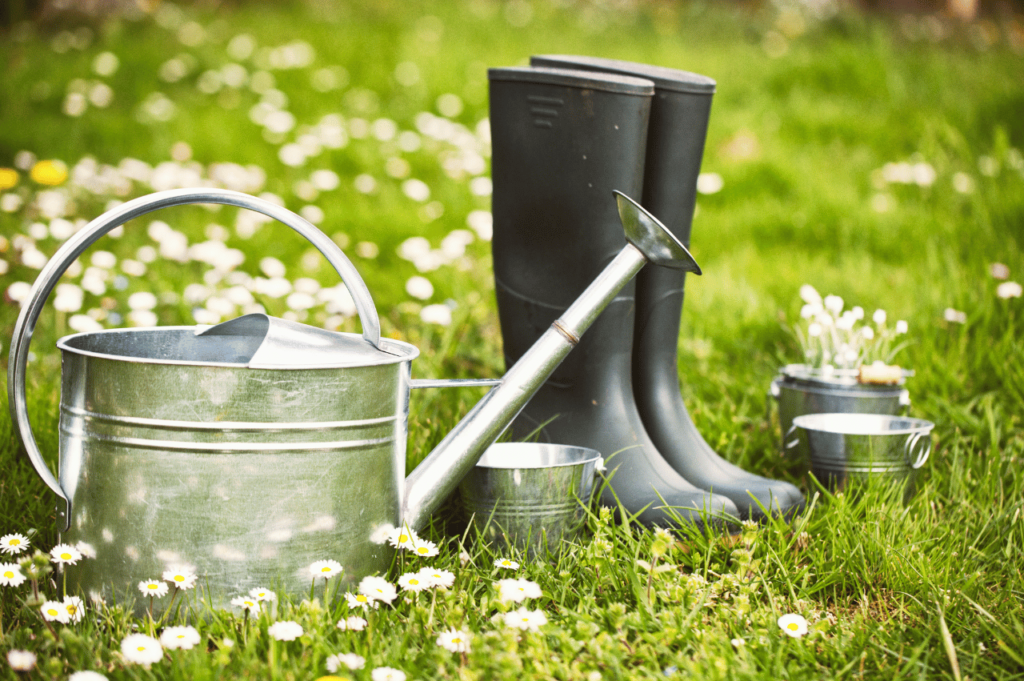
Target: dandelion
{"points": [[350, 660], [87, 675], [285, 630], [64, 554], [425, 548], [402, 538], [455, 640], [182, 578], [413, 581], [11, 575], [8, 178], [325, 568], [352, 623], [247, 604], [54, 611], [51, 173], [142, 649], [261, 594], [24, 660], [506, 563], [1009, 289], [793, 625], [360, 601], [387, 674], [438, 577], [378, 589], [153, 588], [75, 608], [179, 638], [527, 620], [518, 590]]}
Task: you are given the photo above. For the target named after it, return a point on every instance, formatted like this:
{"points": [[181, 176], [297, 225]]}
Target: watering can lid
{"points": [[271, 343]]}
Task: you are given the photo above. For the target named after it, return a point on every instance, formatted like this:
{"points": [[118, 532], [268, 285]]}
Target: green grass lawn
{"points": [[876, 158]]}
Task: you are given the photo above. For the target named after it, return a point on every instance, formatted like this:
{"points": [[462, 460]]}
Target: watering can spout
{"points": [[440, 473]]}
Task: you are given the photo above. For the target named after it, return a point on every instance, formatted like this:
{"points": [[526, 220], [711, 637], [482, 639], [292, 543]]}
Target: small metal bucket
{"points": [[529, 495], [844, 446]]}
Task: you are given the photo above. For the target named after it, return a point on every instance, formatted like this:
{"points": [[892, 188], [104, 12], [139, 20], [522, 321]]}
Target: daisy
{"points": [[74, 607], [325, 568], [455, 640], [87, 675], [360, 601], [350, 660], [413, 581], [13, 543], [387, 674], [285, 630], [527, 620], [10, 574], [518, 590], [63, 554], [261, 594], [378, 588], [153, 588], [24, 661], [438, 577], [54, 611], [506, 563], [793, 625], [425, 548], [352, 623], [142, 649], [179, 638], [182, 577], [86, 549], [402, 538], [245, 603]]}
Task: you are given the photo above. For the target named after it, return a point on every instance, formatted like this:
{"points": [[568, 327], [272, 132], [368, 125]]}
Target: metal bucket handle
{"points": [[77, 244], [922, 456]]}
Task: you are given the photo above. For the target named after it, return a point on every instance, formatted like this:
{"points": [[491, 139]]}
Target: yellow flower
{"points": [[8, 178], [51, 173]]}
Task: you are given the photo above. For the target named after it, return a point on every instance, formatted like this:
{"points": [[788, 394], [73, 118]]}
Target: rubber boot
{"points": [[561, 142], [675, 144]]}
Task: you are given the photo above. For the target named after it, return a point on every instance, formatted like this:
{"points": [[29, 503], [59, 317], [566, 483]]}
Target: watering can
{"points": [[248, 450]]}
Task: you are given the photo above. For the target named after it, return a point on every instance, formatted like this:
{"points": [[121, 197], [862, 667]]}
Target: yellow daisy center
{"points": [[422, 549], [326, 568], [414, 582], [9, 574], [14, 542], [153, 587], [456, 640], [181, 635], [53, 612], [179, 578], [65, 556], [361, 598], [403, 538], [141, 649], [72, 610], [792, 626]]}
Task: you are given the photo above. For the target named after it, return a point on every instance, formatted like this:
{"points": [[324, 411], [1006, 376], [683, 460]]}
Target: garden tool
{"points": [[561, 141], [675, 144]]}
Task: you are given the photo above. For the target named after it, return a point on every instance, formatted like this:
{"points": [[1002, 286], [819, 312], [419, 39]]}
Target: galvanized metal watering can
{"points": [[248, 450]]}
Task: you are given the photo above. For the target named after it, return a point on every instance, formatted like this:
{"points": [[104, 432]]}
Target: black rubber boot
{"points": [[675, 144], [561, 142]]}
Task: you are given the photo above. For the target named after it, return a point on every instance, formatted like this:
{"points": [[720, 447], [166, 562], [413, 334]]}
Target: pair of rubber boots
{"points": [[565, 132]]}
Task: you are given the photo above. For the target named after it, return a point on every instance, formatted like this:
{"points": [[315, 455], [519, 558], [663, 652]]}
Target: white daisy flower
{"points": [[425, 548], [153, 588], [902, 327], [793, 625], [246, 603], [438, 577], [455, 640], [1009, 289], [879, 317], [378, 589], [834, 304], [87, 675], [142, 649], [349, 660], [867, 332], [24, 660], [738, 643], [54, 611], [181, 577], [285, 630], [518, 590], [325, 568], [527, 620], [352, 623], [413, 581], [179, 638], [261, 594], [387, 674], [75, 608], [402, 538], [86, 549], [360, 601], [13, 543], [506, 563], [11, 575], [65, 554]]}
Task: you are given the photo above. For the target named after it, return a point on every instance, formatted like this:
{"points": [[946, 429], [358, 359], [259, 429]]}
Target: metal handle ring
{"points": [[77, 244], [922, 455], [792, 443]]}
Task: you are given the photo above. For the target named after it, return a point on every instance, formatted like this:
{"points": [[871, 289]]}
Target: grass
{"points": [[927, 588]]}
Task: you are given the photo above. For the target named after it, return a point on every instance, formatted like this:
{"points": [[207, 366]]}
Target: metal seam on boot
{"points": [[566, 333], [560, 308]]}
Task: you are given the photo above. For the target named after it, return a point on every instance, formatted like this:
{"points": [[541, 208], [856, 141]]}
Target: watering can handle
{"points": [[922, 455], [77, 244]]}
